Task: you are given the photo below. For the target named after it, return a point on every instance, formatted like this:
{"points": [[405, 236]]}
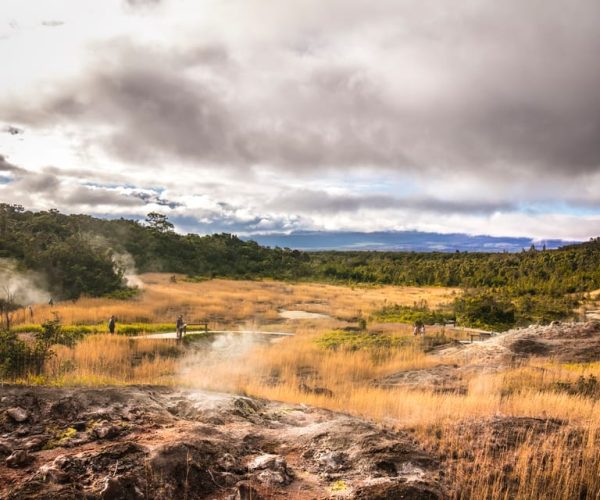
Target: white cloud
{"points": [[262, 115]]}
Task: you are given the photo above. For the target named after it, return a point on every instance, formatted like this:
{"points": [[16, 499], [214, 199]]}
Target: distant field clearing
{"points": [[164, 297]]}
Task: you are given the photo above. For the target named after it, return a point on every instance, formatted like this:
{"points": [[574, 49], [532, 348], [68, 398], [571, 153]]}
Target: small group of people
{"points": [[418, 328], [180, 326]]}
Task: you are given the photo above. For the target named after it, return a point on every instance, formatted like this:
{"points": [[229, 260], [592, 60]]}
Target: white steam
{"points": [[219, 362], [121, 259], [21, 287], [126, 262]]}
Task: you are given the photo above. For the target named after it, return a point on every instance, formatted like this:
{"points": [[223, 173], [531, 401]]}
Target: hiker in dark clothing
{"points": [[111, 324], [180, 327], [51, 302]]}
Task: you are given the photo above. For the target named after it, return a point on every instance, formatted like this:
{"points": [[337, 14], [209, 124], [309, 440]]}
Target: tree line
{"points": [[81, 255]]}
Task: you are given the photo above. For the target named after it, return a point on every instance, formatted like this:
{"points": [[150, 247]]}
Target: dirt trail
{"points": [[297, 314], [256, 333], [157, 443], [565, 342]]}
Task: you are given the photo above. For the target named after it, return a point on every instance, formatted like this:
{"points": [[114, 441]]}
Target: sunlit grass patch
{"points": [[110, 359], [222, 301], [336, 365], [121, 329]]}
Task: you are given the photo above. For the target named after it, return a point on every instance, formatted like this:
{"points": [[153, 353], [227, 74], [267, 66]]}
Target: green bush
{"points": [[19, 358], [14, 354], [124, 294], [484, 309], [418, 313], [355, 340]]}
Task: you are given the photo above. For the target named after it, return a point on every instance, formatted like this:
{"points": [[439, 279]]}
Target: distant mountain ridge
{"points": [[401, 241]]}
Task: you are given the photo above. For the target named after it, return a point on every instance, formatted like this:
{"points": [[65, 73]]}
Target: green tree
{"points": [[159, 222]]}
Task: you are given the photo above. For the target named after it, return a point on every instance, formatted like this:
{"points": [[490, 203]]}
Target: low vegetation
{"points": [[419, 312], [82, 255], [20, 358], [82, 329], [529, 430], [518, 433], [224, 303]]}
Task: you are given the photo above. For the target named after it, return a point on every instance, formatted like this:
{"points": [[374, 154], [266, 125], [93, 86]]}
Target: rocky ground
{"points": [[564, 342], [158, 443]]}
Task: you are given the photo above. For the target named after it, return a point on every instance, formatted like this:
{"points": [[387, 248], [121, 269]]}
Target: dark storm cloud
{"points": [[486, 88]]}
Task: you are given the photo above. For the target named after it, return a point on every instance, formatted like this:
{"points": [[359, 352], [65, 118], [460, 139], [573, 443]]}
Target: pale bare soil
{"points": [[462, 362]]}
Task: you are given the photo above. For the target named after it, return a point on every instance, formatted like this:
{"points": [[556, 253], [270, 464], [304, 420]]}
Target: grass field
{"points": [[487, 448], [225, 302], [512, 434]]}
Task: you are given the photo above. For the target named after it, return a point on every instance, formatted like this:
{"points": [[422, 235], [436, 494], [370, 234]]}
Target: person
{"points": [[111, 324], [418, 328], [180, 327], [31, 313], [51, 302]]}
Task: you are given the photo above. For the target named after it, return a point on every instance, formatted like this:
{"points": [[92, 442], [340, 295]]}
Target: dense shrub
{"points": [[419, 313], [485, 309], [19, 357]]}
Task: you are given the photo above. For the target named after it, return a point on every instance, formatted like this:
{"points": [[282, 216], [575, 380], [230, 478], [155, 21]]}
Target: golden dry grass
{"points": [[114, 360], [557, 464], [228, 301]]}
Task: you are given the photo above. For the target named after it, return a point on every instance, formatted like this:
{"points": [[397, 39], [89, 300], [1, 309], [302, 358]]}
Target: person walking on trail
{"points": [[111, 324], [418, 328], [180, 327]]}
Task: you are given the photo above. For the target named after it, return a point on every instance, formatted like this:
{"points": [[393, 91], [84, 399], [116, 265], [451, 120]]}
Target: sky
{"points": [[263, 116]]}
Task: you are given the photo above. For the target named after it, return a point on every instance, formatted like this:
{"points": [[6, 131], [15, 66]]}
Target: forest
{"points": [[83, 255]]}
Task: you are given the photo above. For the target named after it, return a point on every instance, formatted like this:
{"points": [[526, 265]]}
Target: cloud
{"points": [[486, 89], [310, 201], [9, 129], [93, 197], [52, 23], [5, 166], [158, 110], [260, 114], [136, 4], [52, 187]]}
